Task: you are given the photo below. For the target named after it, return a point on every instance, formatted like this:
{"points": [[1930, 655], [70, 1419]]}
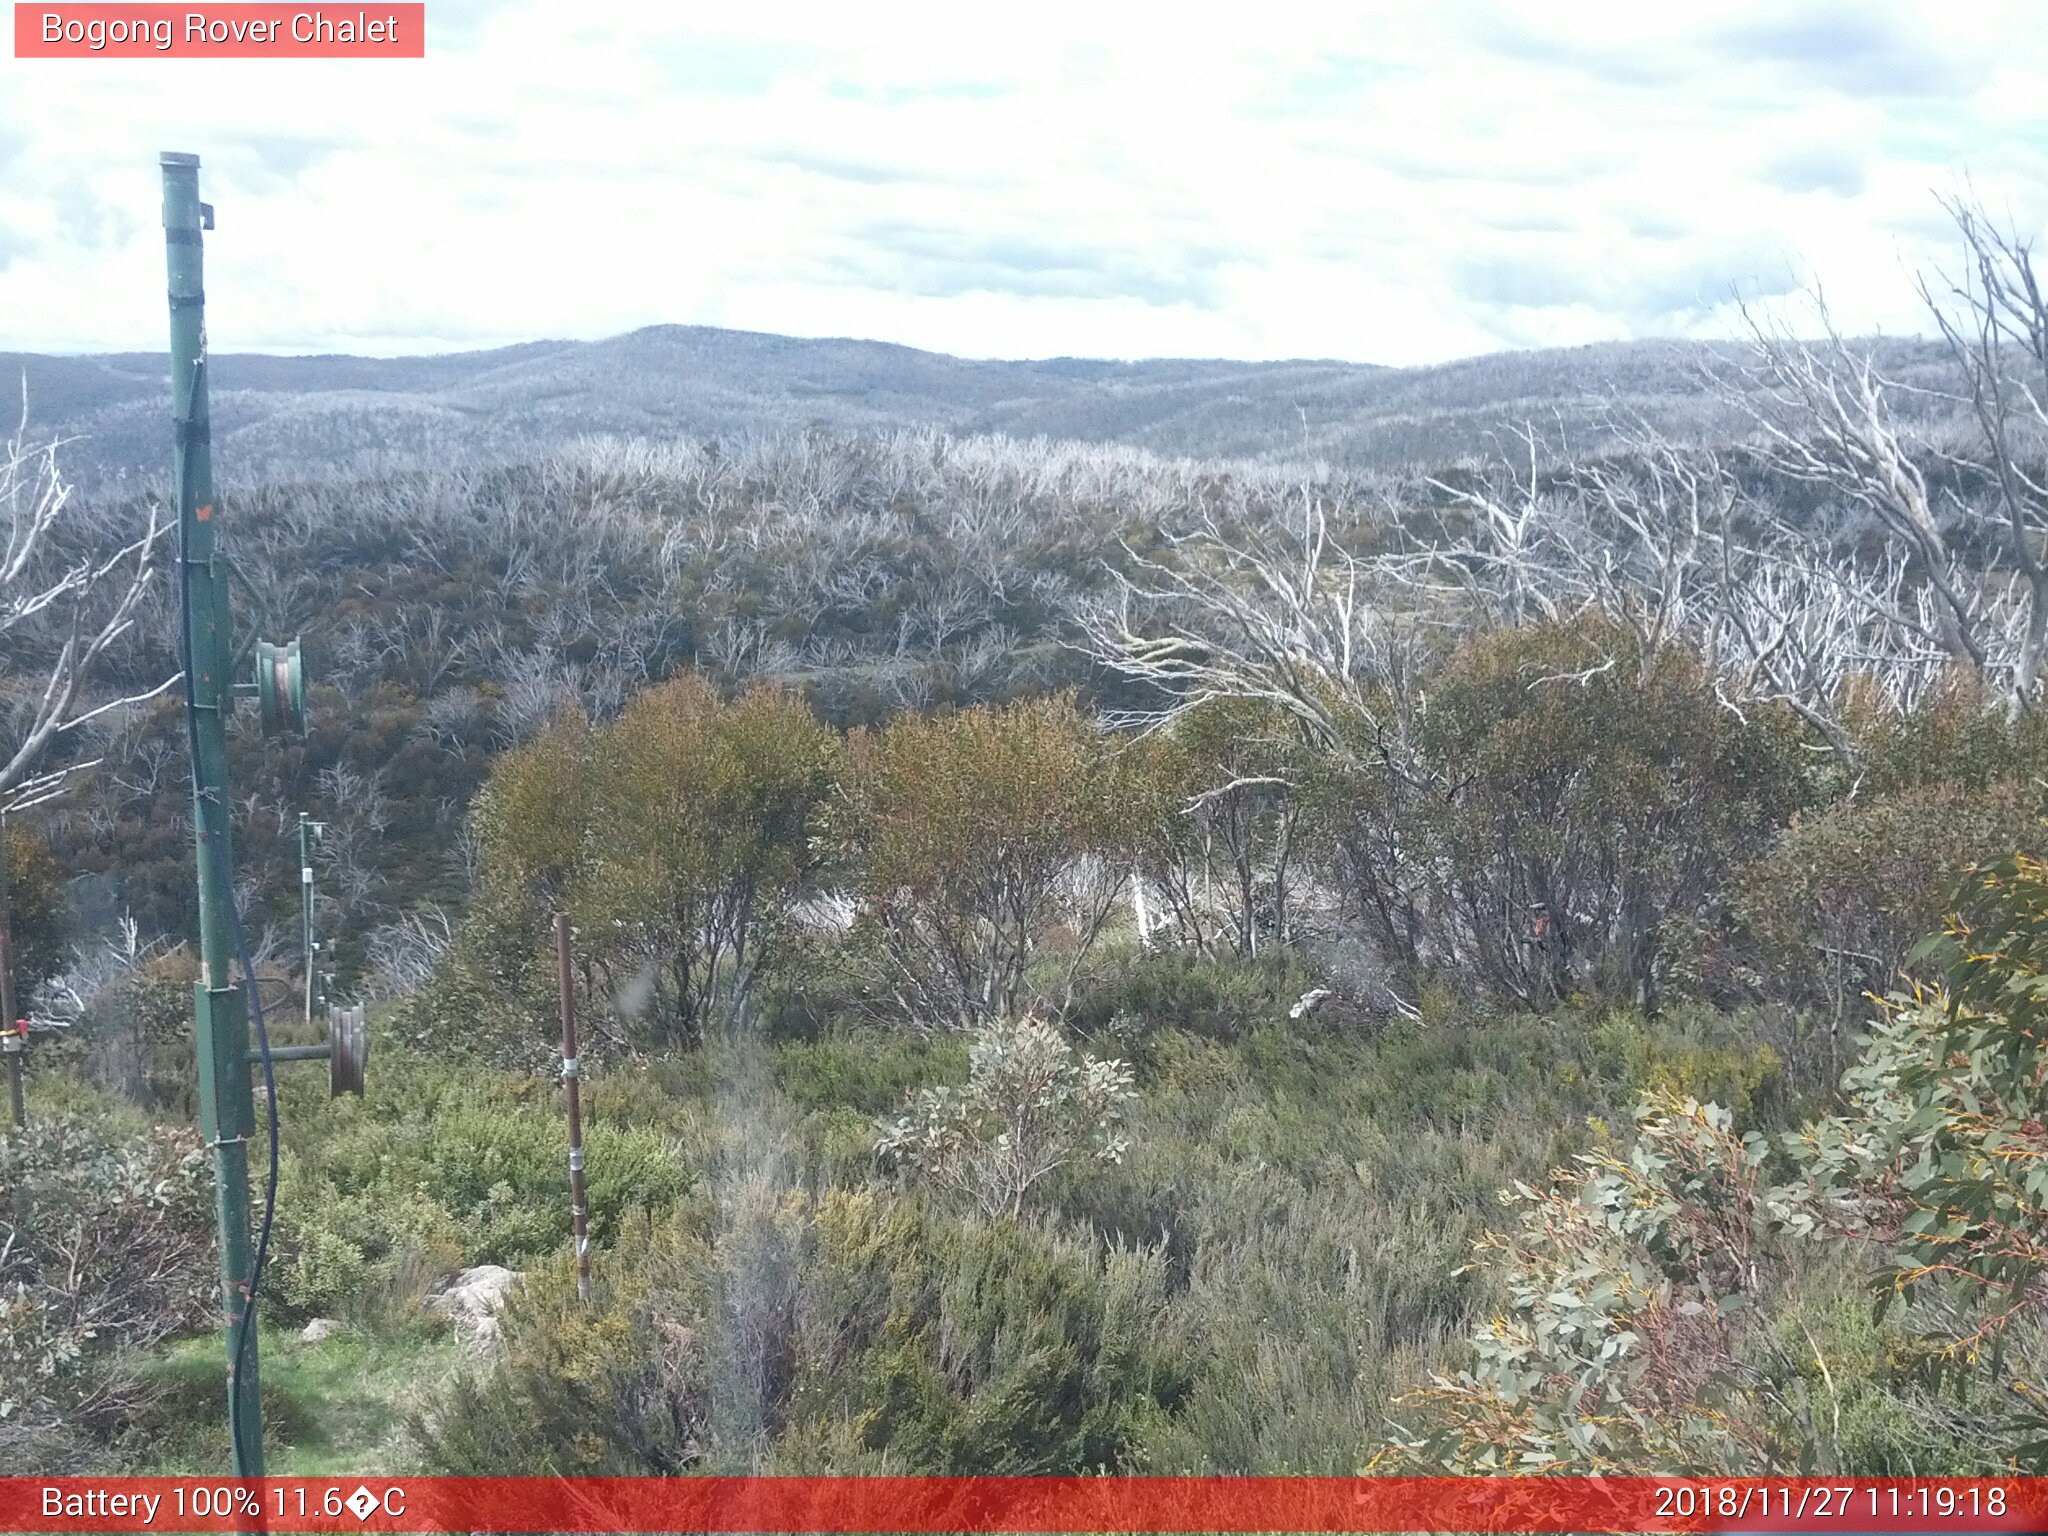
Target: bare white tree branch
{"points": [[63, 604]]}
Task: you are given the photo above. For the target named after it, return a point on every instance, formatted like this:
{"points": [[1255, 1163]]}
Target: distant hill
{"points": [[293, 417]]}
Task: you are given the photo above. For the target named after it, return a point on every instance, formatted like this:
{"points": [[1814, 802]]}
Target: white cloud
{"points": [[1405, 183]]}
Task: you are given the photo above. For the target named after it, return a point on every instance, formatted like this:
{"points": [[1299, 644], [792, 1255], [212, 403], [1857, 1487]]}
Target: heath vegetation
{"points": [[1097, 961]]}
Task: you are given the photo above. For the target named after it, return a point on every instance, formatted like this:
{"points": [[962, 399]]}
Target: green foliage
{"points": [[615, 1388], [39, 924], [1031, 1105], [534, 815], [1650, 1298], [1222, 998], [1940, 1151], [1286, 1228], [1616, 795], [702, 829], [134, 1038], [1695, 1053], [1862, 1386], [1632, 1285], [1305, 1198], [1843, 895], [678, 836], [872, 1071], [1960, 736], [439, 1167], [1220, 824], [860, 1332], [494, 995], [1561, 807], [108, 1250], [979, 844], [987, 1349]]}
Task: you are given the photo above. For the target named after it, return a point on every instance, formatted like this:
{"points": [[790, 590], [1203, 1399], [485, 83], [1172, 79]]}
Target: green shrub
{"points": [[493, 1000], [1842, 896], [854, 1331], [135, 1038], [1869, 1405], [931, 1346], [1960, 736], [439, 1167], [1940, 1148], [108, 1251], [677, 836], [38, 918], [619, 1387], [1694, 1053], [987, 849], [1219, 998], [1031, 1106], [1557, 806], [872, 1070], [1633, 1285], [1220, 835], [1658, 1321]]}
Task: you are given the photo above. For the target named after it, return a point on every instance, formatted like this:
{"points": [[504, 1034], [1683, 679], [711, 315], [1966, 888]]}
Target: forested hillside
{"points": [[289, 418], [1278, 961]]}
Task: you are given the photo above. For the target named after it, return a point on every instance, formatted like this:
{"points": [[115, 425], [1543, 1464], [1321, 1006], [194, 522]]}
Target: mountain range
{"points": [[322, 416]]}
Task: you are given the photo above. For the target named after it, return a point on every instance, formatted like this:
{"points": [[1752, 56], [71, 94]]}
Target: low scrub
{"points": [[108, 1251], [853, 1331]]}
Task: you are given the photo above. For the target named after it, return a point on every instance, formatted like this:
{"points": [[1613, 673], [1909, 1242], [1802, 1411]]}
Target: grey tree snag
{"points": [[1995, 321], [69, 591]]}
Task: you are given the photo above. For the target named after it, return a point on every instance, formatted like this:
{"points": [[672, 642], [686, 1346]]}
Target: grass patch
{"points": [[332, 1408]]}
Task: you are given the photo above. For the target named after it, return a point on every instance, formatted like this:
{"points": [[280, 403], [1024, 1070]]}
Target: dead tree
{"points": [[65, 600], [1995, 320], [1273, 611], [1845, 436]]}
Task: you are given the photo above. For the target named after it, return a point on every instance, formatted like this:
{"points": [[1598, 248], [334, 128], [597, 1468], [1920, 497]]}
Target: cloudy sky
{"points": [[1379, 181]]}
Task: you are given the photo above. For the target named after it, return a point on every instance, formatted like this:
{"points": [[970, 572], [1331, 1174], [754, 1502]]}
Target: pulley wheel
{"points": [[348, 1051], [281, 688]]}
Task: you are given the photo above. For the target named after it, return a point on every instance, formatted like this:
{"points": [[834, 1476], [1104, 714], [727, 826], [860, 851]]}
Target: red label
{"points": [[935, 1505], [236, 31]]}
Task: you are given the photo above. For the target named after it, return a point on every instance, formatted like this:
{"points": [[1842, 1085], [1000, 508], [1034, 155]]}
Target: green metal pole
{"points": [[306, 905], [227, 1109]]}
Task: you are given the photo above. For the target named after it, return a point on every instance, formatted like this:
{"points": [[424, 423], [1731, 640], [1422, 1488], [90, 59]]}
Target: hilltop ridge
{"points": [[289, 416]]}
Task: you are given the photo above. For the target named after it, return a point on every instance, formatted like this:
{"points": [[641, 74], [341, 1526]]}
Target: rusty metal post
{"points": [[572, 1077], [309, 946], [11, 1042]]}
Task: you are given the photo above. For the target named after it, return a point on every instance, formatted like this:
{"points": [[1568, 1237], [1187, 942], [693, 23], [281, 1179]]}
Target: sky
{"points": [[1377, 181]]}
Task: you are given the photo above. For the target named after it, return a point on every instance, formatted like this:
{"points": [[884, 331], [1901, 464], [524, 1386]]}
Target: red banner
{"points": [[212, 31], [1025, 1504]]}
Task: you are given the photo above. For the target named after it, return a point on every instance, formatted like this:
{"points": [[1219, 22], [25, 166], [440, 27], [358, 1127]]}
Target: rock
{"points": [[1310, 1002], [319, 1330], [471, 1299]]}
